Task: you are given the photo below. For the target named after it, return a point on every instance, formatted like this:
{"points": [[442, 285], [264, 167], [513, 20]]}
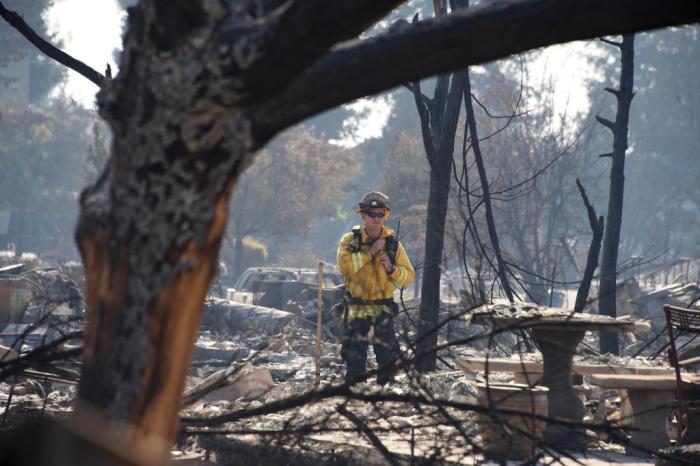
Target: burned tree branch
{"points": [[371, 436], [597, 226], [439, 45], [505, 117], [493, 235], [310, 29], [423, 105], [611, 42], [533, 178], [16, 21], [40, 358], [605, 122], [614, 92]]}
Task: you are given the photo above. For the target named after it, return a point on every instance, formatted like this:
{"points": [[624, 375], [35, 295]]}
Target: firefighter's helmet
{"points": [[374, 200]]}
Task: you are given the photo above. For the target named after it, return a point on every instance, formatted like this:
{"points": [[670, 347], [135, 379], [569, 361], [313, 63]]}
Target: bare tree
{"points": [[438, 119], [203, 85], [611, 240], [485, 191], [534, 160]]}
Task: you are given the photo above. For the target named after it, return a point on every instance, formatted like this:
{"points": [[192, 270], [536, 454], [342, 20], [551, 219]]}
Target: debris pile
{"points": [[252, 380]]}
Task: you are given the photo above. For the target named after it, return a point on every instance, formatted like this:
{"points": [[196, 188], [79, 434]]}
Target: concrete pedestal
{"points": [[558, 348], [648, 423]]}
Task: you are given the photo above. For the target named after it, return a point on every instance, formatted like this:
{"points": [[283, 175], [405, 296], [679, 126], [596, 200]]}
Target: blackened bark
{"points": [[439, 124], [150, 231], [597, 227], [309, 28], [611, 241], [440, 174], [466, 37], [485, 191]]}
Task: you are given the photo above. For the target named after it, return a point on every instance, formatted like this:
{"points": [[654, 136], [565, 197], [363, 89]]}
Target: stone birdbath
{"points": [[558, 333]]}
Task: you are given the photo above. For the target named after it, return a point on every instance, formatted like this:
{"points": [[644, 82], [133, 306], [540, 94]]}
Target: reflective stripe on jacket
{"points": [[365, 276]]}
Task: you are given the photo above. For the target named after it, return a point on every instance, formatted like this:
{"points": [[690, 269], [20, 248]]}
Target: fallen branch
{"points": [[371, 436]]}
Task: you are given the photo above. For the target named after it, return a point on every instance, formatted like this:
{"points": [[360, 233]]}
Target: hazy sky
{"points": [[91, 31]]}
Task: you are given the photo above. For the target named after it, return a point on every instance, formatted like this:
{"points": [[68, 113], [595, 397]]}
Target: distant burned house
{"points": [[37, 294], [681, 270], [275, 286], [650, 306]]}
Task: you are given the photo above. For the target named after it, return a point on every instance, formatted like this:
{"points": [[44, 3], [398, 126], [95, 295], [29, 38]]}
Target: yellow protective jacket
{"points": [[365, 276]]}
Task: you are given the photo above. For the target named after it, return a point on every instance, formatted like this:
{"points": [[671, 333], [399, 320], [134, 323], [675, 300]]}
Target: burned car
{"points": [[275, 286]]}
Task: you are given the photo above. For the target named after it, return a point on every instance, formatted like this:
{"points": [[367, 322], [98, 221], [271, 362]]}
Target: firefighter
{"points": [[374, 263]]}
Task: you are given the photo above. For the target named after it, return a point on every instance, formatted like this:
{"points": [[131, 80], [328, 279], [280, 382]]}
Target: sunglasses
{"points": [[375, 214]]}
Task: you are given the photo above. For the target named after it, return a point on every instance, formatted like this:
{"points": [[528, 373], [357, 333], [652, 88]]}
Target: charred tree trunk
{"points": [[150, 230], [432, 267], [149, 261], [611, 240], [438, 117], [485, 191]]}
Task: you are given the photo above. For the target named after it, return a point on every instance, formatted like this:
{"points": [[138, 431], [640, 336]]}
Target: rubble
{"points": [[649, 305], [317, 428], [247, 357], [237, 318], [259, 354], [242, 381]]}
